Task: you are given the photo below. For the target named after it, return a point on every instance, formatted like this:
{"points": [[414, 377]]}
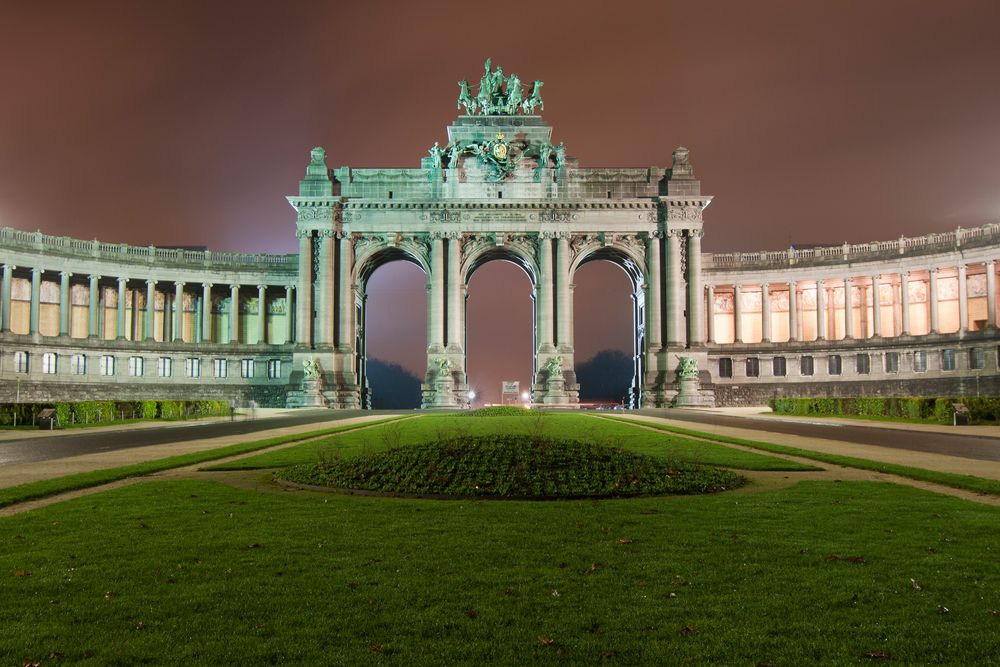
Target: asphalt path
{"points": [[31, 450], [976, 447]]}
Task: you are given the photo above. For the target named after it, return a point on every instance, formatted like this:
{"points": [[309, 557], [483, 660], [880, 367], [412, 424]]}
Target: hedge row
{"points": [[982, 409], [90, 412]]}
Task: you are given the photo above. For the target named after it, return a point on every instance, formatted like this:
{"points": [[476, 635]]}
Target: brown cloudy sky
{"points": [[188, 123]]}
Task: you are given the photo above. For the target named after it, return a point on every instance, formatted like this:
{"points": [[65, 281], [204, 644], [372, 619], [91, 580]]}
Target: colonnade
{"points": [[674, 308], [866, 319], [172, 325]]}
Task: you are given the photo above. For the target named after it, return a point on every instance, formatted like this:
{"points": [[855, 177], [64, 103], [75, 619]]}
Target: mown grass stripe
{"points": [[950, 479], [49, 487]]}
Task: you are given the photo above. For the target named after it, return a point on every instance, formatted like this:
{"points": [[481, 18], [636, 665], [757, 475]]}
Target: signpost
{"points": [[510, 391]]}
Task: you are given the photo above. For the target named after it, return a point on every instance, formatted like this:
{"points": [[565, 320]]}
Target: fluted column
{"points": [[206, 312], [289, 329], [710, 322], [991, 295], [36, 287], [737, 313], [120, 321], [325, 289], [64, 302], [544, 291], [695, 312], [345, 295], [654, 317], [92, 302], [820, 310], [904, 300], [234, 314], [564, 296], [303, 304], [435, 306], [765, 313], [8, 280], [848, 309], [793, 312], [876, 307], [963, 300], [150, 308], [674, 290], [262, 314], [933, 288], [456, 336], [178, 312]]}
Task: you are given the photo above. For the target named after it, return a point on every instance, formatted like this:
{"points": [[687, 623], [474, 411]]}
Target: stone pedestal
{"points": [[439, 393]]}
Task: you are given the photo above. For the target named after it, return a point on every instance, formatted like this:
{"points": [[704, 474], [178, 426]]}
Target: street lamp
{"points": [[472, 397]]}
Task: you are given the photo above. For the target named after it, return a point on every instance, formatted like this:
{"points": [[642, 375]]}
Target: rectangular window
{"points": [[920, 361], [193, 366], [274, 369], [863, 364], [892, 362], [20, 362], [164, 367], [107, 365], [49, 363], [725, 367], [977, 358], [246, 368], [221, 368], [135, 366], [833, 364], [779, 367], [947, 360], [753, 367], [78, 364], [806, 365]]}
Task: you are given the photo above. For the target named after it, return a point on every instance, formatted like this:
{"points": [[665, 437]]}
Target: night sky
{"points": [[188, 123]]}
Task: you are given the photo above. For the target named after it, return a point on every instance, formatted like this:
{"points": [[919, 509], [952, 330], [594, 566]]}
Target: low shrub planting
{"points": [[513, 466], [982, 409], [97, 412], [502, 411]]}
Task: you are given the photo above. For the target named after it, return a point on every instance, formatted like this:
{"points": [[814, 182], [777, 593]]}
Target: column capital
{"points": [[962, 268], [990, 263], [933, 270], [207, 285], [150, 282], [94, 276], [737, 286], [179, 283], [234, 286], [9, 267], [261, 288], [122, 281], [65, 274], [36, 271], [695, 233], [765, 286], [289, 288]]}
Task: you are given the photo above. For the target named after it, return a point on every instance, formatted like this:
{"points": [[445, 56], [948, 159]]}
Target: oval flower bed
{"points": [[512, 466]]}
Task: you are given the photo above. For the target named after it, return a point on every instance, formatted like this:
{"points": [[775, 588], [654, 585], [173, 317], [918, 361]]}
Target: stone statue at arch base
{"points": [[310, 392], [689, 391], [319, 385], [551, 387], [440, 389]]}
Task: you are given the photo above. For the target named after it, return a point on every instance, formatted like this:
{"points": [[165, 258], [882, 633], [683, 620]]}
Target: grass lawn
{"points": [[574, 426], [194, 572]]}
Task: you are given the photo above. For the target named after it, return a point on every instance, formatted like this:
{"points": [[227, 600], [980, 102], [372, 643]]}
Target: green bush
{"points": [[982, 409]]}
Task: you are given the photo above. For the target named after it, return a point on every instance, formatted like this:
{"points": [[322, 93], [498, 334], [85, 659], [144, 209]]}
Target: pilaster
{"points": [[64, 313], [5, 291]]}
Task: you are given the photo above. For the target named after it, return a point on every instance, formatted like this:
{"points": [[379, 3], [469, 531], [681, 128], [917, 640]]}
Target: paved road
{"points": [[965, 446], [30, 450]]}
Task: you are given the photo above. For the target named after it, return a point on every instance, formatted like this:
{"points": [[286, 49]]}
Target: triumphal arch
{"points": [[498, 189]]}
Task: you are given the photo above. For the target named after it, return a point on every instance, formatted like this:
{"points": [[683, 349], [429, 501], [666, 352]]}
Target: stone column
{"points": [[765, 313], [435, 306], [8, 280], [991, 295], [303, 304], [737, 313], [904, 300], [206, 313], [289, 329], [345, 295], [544, 289], [234, 314], [564, 297], [325, 290], [793, 312], [262, 314], [933, 288], [64, 302], [178, 312], [120, 321], [848, 309], [963, 300], [654, 317], [150, 308], [36, 287], [876, 307], [710, 322], [456, 337], [92, 302], [820, 310], [695, 312], [674, 287]]}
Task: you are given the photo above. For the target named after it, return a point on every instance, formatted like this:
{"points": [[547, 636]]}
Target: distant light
{"points": [[525, 396], [472, 395]]}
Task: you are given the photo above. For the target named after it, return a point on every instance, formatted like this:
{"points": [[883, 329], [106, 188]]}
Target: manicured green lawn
{"points": [[574, 426], [198, 573]]}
